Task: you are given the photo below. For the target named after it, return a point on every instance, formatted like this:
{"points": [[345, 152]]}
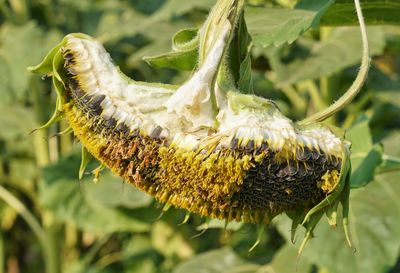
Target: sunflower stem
{"points": [[355, 88]]}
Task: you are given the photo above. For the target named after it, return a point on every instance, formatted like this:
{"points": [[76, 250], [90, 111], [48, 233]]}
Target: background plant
{"points": [[304, 55]]}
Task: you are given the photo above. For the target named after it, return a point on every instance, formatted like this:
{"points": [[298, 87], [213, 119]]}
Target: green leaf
{"points": [[342, 49], [184, 55], [391, 143], [223, 260], [16, 122], [365, 165], [389, 164], [365, 157], [244, 44], [276, 26], [168, 241], [360, 136], [20, 47], [111, 191], [175, 8], [122, 20], [160, 36], [245, 82], [93, 207], [286, 260], [378, 12]]}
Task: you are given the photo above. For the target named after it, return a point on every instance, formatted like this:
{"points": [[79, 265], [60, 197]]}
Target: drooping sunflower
{"points": [[203, 146]]}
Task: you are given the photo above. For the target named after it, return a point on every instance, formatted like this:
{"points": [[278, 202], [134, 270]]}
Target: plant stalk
{"points": [[48, 252], [355, 88]]}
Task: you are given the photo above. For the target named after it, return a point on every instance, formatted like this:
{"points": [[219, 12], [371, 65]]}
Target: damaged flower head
{"points": [[202, 146]]}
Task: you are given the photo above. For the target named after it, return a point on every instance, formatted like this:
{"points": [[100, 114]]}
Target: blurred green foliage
{"points": [[305, 55]]}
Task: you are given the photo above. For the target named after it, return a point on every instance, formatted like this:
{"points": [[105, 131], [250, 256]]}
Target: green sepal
{"points": [[55, 117], [203, 227], [96, 173], [226, 223], [49, 66], [53, 65], [260, 234], [297, 217], [184, 54], [46, 65], [67, 131], [331, 198], [165, 208], [186, 219], [331, 214], [310, 226], [60, 91], [85, 159], [57, 64], [345, 202]]}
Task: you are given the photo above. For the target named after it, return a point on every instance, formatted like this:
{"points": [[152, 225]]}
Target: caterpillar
{"points": [[202, 147]]}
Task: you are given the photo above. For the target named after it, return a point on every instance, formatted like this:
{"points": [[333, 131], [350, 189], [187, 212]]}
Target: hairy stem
{"points": [[357, 84], [49, 253]]}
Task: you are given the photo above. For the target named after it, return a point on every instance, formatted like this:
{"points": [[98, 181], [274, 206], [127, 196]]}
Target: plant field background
{"points": [[305, 55]]}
